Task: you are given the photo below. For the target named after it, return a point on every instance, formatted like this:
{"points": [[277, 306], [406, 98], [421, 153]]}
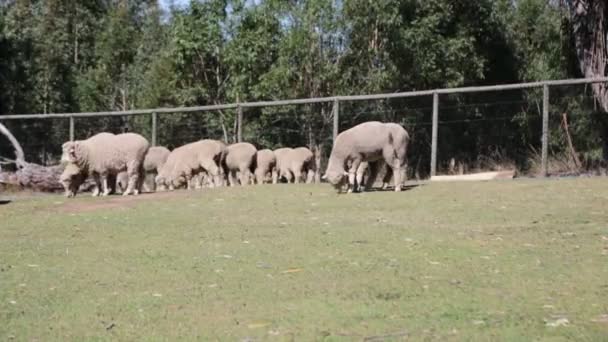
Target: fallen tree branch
{"points": [[19, 155], [29, 175]]}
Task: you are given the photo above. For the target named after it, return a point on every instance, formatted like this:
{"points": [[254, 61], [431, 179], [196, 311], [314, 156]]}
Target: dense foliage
{"points": [[104, 55]]}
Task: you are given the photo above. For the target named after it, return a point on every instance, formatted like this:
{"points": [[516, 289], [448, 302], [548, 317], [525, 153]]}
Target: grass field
{"points": [[515, 260]]}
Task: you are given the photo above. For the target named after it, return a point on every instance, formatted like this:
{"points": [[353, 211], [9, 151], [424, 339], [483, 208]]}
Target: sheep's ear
{"points": [[324, 177], [72, 151]]}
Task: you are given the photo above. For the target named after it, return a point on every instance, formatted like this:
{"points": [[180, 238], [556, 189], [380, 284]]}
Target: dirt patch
{"points": [[77, 205]]}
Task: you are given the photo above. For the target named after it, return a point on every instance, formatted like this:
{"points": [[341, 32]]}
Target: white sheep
{"points": [[106, 154], [368, 142], [154, 161], [186, 162], [281, 159], [265, 165], [241, 159], [297, 164]]}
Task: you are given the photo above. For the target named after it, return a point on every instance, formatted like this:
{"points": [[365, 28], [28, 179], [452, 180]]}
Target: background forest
{"points": [[60, 56]]}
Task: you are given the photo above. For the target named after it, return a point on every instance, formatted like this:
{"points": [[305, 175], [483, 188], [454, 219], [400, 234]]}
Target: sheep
{"points": [[154, 161], [106, 154], [156, 158], [265, 164], [296, 164], [188, 161], [281, 158], [241, 158], [368, 142], [73, 179]]}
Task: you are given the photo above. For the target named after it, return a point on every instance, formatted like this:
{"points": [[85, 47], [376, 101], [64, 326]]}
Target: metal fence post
{"points": [[545, 134], [336, 115], [434, 134], [154, 118], [239, 123], [71, 128]]}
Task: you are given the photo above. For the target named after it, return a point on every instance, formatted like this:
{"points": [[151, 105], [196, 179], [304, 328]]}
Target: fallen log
{"points": [[29, 175], [482, 176]]}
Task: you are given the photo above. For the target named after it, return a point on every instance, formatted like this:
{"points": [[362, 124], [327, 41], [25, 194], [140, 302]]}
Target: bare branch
{"points": [[20, 156]]}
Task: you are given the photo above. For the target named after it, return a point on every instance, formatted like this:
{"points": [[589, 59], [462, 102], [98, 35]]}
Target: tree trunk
{"points": [[588, 20], [29, 175]]}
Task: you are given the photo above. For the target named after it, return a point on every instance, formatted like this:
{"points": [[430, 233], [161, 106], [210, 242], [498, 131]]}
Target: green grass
{"points": [[460, 261]]}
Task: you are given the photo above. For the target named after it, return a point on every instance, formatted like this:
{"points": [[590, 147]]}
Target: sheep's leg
{"points": [[359, 181], [260, 176], [132, 183], [190, 181], [231, 177], [97, 181], [351, 182], [146, 187], [202, 180], [197, 181], [360, 172], [310, 177], [244, 176], [372, 169], [397, 175], [352, 175], [106, 187], [275, 176], [297, 174], [287, 175], [141, 180]]}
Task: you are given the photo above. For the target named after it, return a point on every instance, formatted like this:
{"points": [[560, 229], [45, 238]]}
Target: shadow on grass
{"points": [[392, 188], [5, 201]]}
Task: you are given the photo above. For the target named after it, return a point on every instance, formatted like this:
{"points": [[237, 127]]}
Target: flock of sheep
{"points": [[124, 160]]}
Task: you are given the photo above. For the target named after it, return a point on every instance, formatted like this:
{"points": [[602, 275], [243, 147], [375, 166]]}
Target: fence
{"points": [[333, 109]]}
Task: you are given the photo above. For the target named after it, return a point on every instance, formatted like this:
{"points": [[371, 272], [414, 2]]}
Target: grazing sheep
{"points": [[265, 165], [281, 158], [241, 158], [367, 142], [156, 158], [154, 161], [106, 154], [188, 161], [297, 164]]}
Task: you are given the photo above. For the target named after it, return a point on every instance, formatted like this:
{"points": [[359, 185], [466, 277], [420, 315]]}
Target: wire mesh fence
{"points": [[480, 128]]}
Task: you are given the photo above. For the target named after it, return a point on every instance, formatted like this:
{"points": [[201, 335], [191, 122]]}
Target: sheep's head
{"points": [[71, 179], [71, 151], [179, 181], [336, 178], [161, 183]]}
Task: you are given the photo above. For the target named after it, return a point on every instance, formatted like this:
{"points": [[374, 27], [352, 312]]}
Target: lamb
{"points": [[296, 164], [106, 154], [368, 142], [241, 158], [265, 165], [189, 160]]}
